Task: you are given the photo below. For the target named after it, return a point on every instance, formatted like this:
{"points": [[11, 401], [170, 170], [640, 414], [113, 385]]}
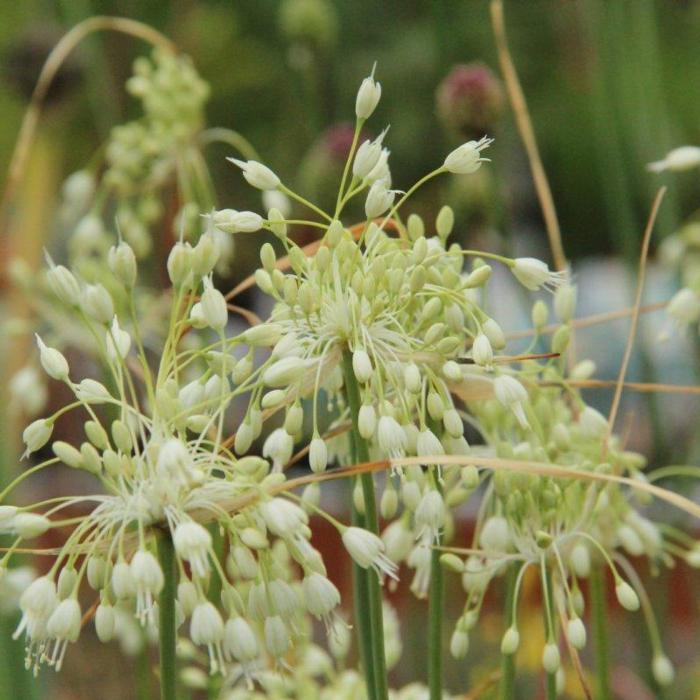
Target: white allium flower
{"points": [[257, 175], [367, 156], [510, 641], [466, 159], [320, 595], [431, 515], [213, 305], [279, 447], [535, 274], [391, 437], [368, 550], [37, 434], [53, 361], [592, 423], [684, 307], [276, 636], [207, 629], [362, 366], [193, 543], [482, 352], [368, 97], [551, 658], [240, 641], [576, 633], [62, 627], [117, 341], [662, 668], [459, 644], [626, 596], [97, 303], [495, 534], [379, 199], [232, 221], [512, 394], [318, 455], [148, 582], [122, 262], [105, 622]]}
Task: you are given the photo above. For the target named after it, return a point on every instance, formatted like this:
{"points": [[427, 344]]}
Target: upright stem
{"points": [[550, 686], [166, 627], [600, 632], [436, 596], [375, 655], [507, 685]]}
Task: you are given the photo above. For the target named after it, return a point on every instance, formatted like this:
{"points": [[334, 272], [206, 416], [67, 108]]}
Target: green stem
{"points": [[550, 687], [361, 454], [507, 685], [600, 632], [436, 597], [167, 631]]}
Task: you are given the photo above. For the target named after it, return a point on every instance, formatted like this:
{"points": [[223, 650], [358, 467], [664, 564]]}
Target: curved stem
{"points": [[376, 654], [550, 687], [166, 610], [600, 632]]}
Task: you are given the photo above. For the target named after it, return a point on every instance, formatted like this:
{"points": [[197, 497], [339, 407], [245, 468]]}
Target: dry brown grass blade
{"points": [[497, 464], [51, 67], [588, 321], [635, 316], [252, 318], [527, 134], [643, 387], [309, 250], [483, 686]]}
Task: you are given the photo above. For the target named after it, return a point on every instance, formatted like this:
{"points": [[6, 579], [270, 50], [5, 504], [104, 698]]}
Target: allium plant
{"points": [[391, 327]]}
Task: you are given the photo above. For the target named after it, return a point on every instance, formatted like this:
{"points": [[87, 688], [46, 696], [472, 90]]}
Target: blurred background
{"points": [[611, 86]]}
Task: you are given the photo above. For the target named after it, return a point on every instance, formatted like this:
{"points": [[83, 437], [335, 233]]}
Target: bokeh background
{"points": [[611, 85]]}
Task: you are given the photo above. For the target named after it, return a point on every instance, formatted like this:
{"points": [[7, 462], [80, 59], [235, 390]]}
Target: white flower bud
{"points": [[565, 302], [53, 361], [318, 455], [240, 641], [96, 572], [205, 254], [495, 534], [482, 352], [678, 159], [367, 157], [180, 264], [684, 307], [662, 668], [274, 199], [466, 159], [187, 596], [92, 391], [494, 333], [412, 378], [367, 421], [105, 622], [593, 425], [626, 596], [117, 341], [277, 638], [368, 97], [285, 371], [257, 175], [123, 581], [213, 306], [512, 394], [122, 263], [97, 302], [244, 438], [580, 560], [510, 641], [37, 434], [430, 514], [453, 423], [232, 221], [63, 284], [29, 525], [459, 644], [576, 633], [379, 199], [428, 444], [68, 454], [551, 659], [265, 335], [362, 366]]}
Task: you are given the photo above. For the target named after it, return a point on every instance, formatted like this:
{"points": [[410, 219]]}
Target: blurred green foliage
{"points": [[610, 83]]}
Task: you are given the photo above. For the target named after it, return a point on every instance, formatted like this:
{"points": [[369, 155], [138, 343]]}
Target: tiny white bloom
{"points": [[368, 97], [681, 158], [257, 174], [466, 159]]}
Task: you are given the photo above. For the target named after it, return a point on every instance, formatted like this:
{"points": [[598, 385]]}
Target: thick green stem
{"points": [[376, 653], [167, 629], [550, 683], [436, 596], [506, 689], [600, 633]]}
